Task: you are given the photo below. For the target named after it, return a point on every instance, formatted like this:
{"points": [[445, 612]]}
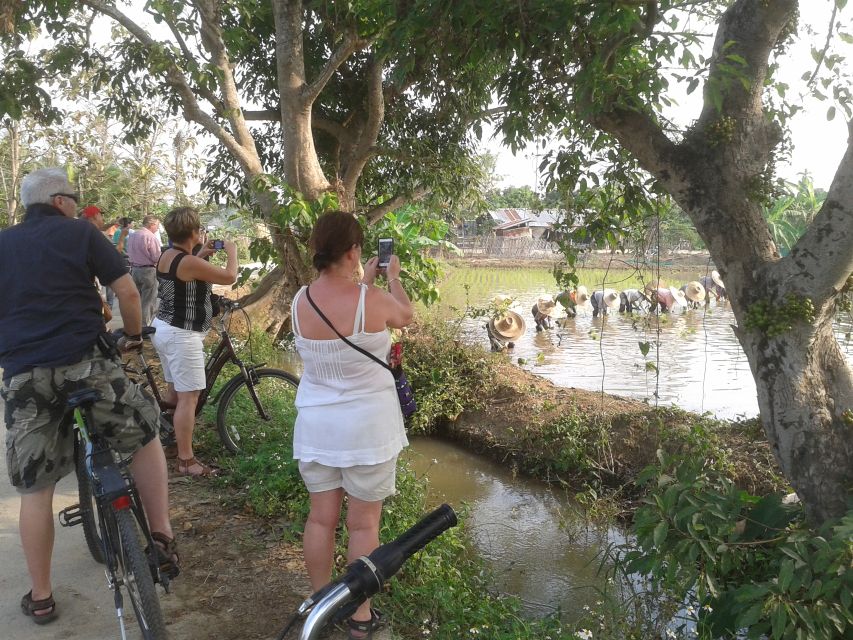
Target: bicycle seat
{"points": [[147, 332], [83, 397]]}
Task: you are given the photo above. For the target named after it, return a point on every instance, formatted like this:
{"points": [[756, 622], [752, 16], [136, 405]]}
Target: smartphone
{"points": [[218, 244], [386, 250]]}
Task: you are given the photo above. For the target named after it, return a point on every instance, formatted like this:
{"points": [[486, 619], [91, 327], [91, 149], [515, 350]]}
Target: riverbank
{"points": [[580, 438]]}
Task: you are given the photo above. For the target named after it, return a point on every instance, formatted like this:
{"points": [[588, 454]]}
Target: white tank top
{"points": [[348, 409]]}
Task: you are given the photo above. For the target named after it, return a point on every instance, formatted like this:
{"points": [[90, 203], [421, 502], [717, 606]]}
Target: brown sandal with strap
{"points": [[182, 468], [167, 555], [30, 607]]}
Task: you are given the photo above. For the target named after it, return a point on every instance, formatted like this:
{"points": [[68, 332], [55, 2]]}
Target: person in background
{"points": [[143, 252], [631, 299], [713, 286], [182, 322], [93, 215], [542, 312], [48, 262], [695, 294], [349, 427], [120, 235], [665, 298], [109, 230], [602, 300], [571, 299]]}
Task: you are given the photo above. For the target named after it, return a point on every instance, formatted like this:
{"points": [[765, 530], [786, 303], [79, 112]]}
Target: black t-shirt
{"points": [[50, 311]]}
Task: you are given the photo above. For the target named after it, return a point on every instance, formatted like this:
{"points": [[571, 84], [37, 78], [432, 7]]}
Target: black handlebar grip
{"points": [[364, 579], [422, 533]]}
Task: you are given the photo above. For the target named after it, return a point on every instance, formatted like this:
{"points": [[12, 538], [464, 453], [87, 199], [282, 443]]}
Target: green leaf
{"points": [[660, 533], [830, 113], [644, 348], [786, 574]]}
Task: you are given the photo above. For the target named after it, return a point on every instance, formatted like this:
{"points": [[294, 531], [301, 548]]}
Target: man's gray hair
{"points": [[148, 220], [39, 186]]}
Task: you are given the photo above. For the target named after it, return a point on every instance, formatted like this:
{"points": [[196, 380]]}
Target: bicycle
{"points": [[365, 577], [113, 519], [244, 402]]}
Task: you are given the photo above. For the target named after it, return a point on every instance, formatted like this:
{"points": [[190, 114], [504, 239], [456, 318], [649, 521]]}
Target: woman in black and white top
{"points": [[183, 320]]}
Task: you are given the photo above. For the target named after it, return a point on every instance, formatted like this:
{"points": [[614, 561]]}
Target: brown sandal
{"points": [[182, 468], [30, 606], [167, 554]]}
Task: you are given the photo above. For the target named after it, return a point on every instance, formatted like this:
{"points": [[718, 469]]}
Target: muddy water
{"points": [[694, 359], [531, 536]]}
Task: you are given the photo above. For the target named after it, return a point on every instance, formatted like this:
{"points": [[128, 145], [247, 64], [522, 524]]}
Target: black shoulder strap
{"points": [[357, 348], [173, 268]]}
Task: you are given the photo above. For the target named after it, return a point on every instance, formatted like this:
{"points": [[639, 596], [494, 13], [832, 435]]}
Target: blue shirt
{"points": [[50, 310]]}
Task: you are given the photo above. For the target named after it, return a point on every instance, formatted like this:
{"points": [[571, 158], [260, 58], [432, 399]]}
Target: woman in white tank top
{"points": [[349, 429]]}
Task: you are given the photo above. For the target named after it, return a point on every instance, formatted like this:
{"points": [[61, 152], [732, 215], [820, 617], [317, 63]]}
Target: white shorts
{"points": [[181, 356], [367, 482]]}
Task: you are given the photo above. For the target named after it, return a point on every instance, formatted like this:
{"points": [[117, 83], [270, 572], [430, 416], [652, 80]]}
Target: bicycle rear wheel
{"points": [[137, 577], [239, 422], [88, 509]]}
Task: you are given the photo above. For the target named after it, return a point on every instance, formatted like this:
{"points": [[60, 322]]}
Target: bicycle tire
{"points": [[241, 428], [137, 577], [88, 510]]}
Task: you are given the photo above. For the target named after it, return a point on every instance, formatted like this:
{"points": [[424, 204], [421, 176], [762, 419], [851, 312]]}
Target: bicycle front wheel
{"points": [[88, 509], [249, 409], [137, 577]]}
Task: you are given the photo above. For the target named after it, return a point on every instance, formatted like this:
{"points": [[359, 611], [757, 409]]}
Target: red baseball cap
{"points": [[91, 211]]}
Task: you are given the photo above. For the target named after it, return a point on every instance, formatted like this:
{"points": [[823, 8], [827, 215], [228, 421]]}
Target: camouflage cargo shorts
{"points": [[39, 423]]}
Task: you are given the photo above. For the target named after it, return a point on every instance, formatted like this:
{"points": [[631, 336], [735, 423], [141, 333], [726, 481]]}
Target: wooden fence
{"points": [[500, 247]]}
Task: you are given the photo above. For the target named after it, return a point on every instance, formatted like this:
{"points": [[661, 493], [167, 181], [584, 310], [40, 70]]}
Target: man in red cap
{"points": [[93, 215]]}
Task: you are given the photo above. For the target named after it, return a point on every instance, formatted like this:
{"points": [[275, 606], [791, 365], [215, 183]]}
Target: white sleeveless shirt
{"points": [[348, 409]]}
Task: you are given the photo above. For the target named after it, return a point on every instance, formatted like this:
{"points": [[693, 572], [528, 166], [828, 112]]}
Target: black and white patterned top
{"points": [[185, 305]]}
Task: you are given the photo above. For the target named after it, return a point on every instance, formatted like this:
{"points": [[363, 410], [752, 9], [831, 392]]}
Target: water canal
{"points": [[537, 543]]}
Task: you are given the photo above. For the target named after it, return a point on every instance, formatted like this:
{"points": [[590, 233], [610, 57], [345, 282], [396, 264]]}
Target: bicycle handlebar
{"points": [[364, 577]]}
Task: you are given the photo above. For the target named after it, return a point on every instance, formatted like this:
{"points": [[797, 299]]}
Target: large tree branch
{"points": [[824, 254], [176, 79], [211, 38], [334, 129], [354, 164], [748, 32], [645, 140], [349, 46], [376, 213]]}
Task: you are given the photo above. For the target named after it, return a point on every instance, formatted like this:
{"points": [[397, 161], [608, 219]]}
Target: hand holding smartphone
{"points": [[386, 250]]}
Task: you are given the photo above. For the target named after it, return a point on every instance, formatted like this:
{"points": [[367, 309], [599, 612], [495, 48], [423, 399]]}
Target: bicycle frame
{"points": [[113, 488], [222, 354]]}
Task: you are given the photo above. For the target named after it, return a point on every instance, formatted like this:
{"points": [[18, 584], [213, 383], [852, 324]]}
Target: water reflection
{"points": [[529, 534]]}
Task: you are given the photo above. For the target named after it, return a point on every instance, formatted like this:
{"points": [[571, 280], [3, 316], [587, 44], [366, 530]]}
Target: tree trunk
{"points": [[804, 384], [804, 388], [268, 305]]}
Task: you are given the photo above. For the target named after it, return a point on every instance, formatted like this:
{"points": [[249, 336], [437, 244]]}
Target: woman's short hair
{"points": [[39, 186], [333, 235], [181, 222]]}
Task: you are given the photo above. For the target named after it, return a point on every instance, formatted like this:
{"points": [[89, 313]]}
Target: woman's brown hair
{"points": [[181, 222], [333, 235]]}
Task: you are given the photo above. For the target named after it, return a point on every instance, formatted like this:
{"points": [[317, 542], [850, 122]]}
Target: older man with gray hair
{"points": [[143, 251], [50, 332]]}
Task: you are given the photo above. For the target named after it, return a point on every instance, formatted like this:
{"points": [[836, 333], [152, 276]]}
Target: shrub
{"points": [[750, 563]]}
